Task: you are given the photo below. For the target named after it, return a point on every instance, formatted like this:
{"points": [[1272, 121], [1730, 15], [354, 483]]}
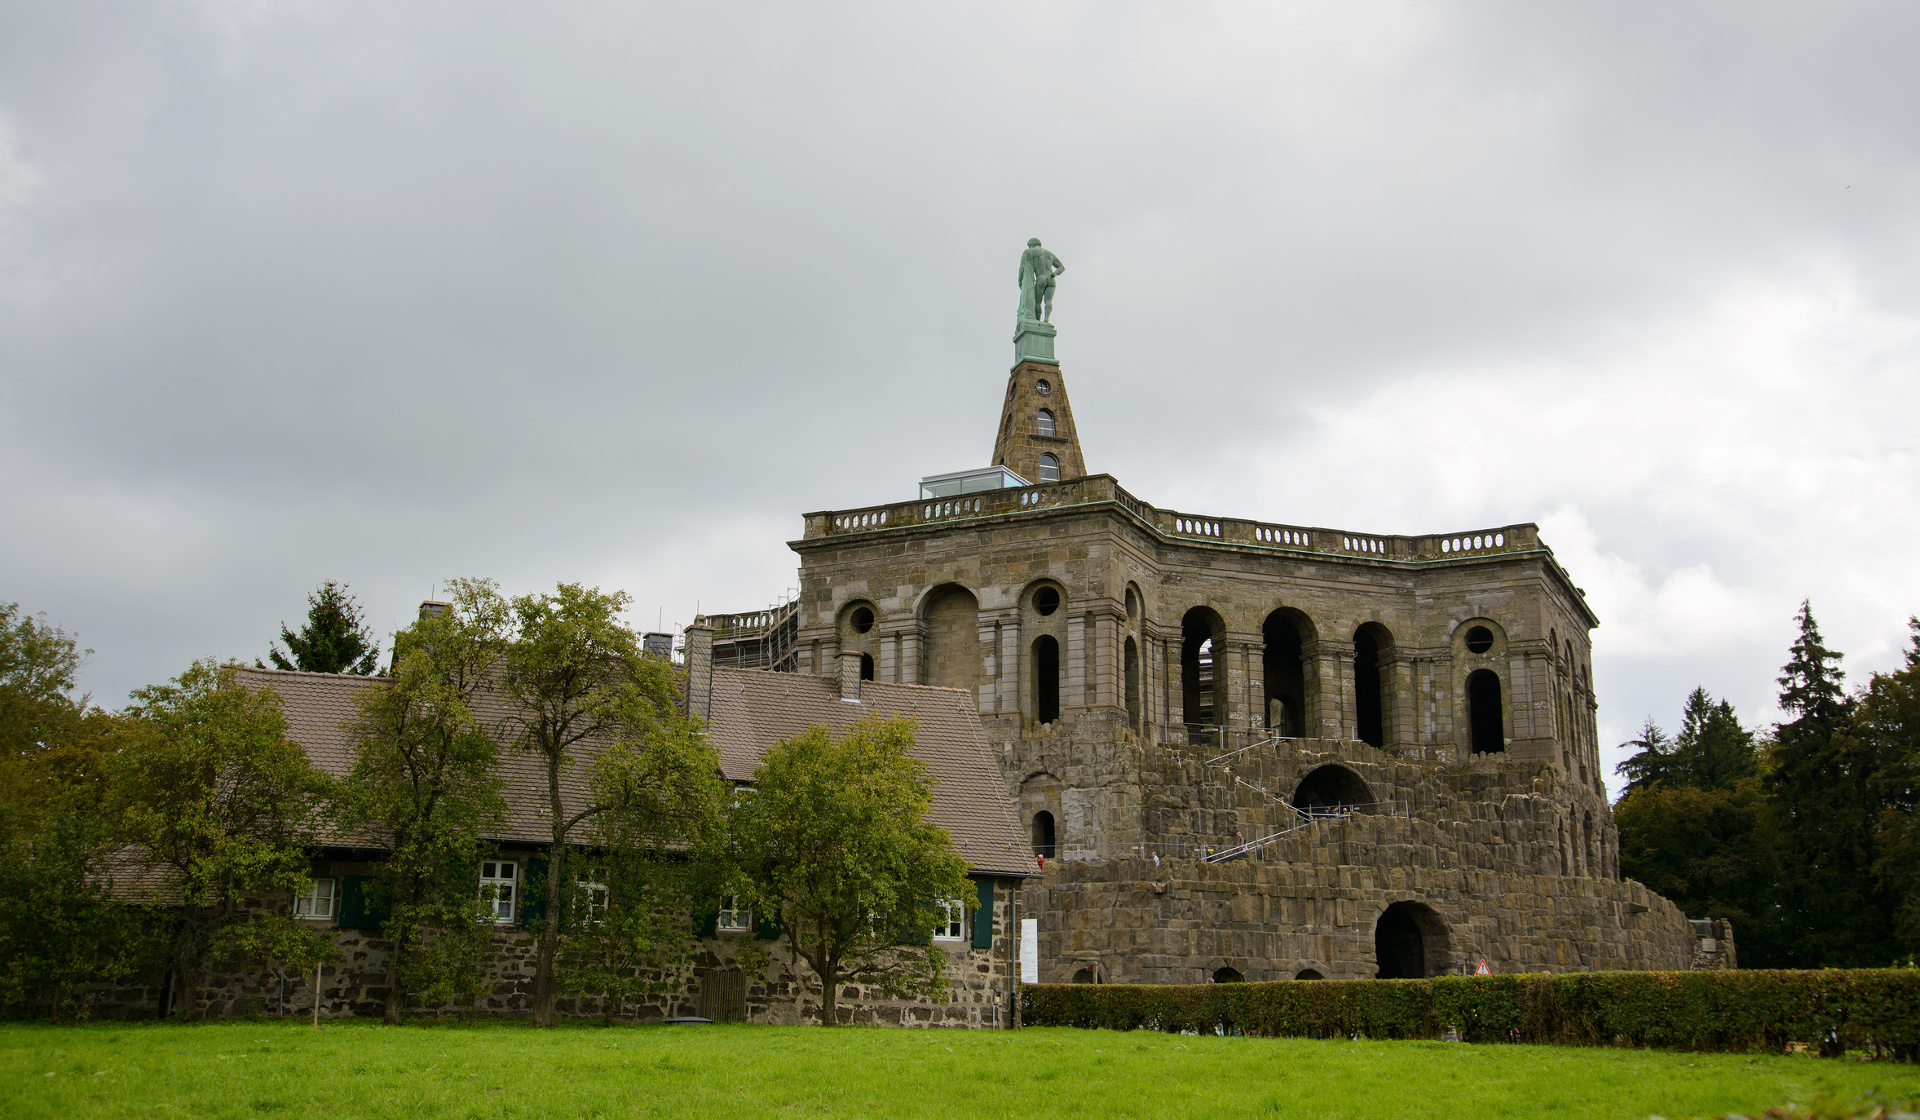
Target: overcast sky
{"points": [[392, 292]]}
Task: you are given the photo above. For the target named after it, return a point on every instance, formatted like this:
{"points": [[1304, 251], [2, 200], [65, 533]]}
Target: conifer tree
{"points": [[1819, 789], [1712, 750], [335, 638]]}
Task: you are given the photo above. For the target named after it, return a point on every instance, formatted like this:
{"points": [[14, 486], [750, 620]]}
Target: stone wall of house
{"points": [[357, 987]]}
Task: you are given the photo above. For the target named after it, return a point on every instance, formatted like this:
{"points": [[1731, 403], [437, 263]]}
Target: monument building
{"points": [[1240, 749]]}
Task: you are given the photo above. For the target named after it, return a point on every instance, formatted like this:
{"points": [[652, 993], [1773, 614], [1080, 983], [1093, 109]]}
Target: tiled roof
{"points": [[321, 707], [753, 708]]}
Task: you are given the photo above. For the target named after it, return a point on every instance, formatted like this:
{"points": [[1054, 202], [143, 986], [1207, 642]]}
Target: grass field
{"points": [[257, 1069]]}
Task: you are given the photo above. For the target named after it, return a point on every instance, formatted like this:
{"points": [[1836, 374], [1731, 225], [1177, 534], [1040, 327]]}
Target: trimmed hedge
{"points": [[1832, 1011]]}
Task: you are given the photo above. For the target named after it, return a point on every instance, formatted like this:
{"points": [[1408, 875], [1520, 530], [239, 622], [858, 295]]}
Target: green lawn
{"points": [[347, 1069]]}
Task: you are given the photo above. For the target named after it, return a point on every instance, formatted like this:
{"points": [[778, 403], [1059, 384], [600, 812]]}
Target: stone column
{"points": [[849, 676], [1398, 671], [1176, 702], [1011, 665], [888, 669], [910, 656], [1107, 684], [1073, 691], [1233, 687]]}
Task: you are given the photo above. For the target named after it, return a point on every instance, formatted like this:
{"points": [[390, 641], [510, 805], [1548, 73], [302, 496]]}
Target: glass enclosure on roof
{"points": [[969, 482]]}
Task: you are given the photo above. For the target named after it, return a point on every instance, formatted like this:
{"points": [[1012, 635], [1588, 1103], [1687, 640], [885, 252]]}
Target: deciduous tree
{"points": [[221, 805], [580, 689], [424, 786], [836, 845]]}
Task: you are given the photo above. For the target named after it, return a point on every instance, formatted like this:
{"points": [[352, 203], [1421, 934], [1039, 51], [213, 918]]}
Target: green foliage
{"points": [[335, 639], [220, 804], [575, 675], [1712, 750], [1876, 1011], [1709, 850], [836, 844], [1887, 723], [424, 786]]}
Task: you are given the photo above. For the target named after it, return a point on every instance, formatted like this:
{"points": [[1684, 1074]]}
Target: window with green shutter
{"points": [[357, 911], [983, 917]]}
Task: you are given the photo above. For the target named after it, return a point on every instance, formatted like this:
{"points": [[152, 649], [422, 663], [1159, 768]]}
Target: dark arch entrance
{"points": [[1331, 785], [1308, 974], [1410, 942], [1043, 834], [1286, 676], [1369, 691], [1228, 976], [1484, 715], [1200, 633], [866, 666], [1046, 679]]}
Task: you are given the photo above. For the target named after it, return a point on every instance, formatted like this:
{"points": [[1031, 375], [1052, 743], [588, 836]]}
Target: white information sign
{"points": [[1029, 950]]}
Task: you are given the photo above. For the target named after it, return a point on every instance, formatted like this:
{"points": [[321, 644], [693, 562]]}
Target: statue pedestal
{"points": [[1033, 342]]}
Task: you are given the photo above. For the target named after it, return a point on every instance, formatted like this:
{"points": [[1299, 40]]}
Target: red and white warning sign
{"points": [[1483, 970]]}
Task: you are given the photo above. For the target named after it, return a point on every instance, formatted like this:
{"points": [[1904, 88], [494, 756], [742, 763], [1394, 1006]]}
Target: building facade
{"points": [[1241, 749]]}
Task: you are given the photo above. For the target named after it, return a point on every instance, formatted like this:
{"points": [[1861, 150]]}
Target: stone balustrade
{"points": [[1099, 489]]}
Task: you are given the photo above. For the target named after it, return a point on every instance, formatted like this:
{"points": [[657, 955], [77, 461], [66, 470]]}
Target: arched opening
{"points": [[1330, 787], [1410, 942], [1049, 468], [1228, 976], [1046, 679], [1369, 691], [1086, 976], [1043, 834], [1200, 632], [1479, 639], [1044, 421], [1131, 671], [1484, 715], [1286, 676], [861, 619], [1308, 974], [866, 666], [953, 638], [1593, 860]]}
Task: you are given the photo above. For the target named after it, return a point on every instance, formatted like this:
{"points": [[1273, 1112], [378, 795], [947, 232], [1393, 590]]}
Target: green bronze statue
{"points": [[1038, 267]]}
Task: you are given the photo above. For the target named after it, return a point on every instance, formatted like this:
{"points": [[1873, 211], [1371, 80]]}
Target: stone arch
{"points": [[1372, 689], [1284, 636], [1086, 975], [1410, 942], [1040, 797], [1486, 712], [1465, 627], [1136, 605], [857, 628], [1130, 676], [950, 618], [1227, 974], [1308, 974], [1201, 634], [1045, 835], [1331, 785], [1045, 662]]}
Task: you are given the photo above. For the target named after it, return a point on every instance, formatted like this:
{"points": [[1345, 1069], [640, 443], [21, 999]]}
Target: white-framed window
{"points": [[1045, 418], [316, 901], [1049, 468], [499, 887], [954, 928], [596, 897], [733, 917]]}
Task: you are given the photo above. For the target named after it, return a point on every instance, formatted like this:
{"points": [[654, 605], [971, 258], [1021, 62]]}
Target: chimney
{"points": [[850, 676], [700, 668]]}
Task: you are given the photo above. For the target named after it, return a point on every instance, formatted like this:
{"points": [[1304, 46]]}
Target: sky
{"points": [[613, 292]]}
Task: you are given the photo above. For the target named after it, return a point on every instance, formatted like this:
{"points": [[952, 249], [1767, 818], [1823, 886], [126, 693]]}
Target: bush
{"points": [[1831, 1011]]}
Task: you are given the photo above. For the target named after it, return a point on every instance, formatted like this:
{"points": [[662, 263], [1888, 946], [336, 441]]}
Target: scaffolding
{"points": [[767, 639]]}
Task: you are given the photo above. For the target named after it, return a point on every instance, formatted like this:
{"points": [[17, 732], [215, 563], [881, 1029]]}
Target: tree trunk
{"points": [[396, 995], [548, 946]]}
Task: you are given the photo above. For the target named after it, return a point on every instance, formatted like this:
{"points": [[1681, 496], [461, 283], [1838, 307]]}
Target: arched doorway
{"points": [[1410, 942], [1228, 976], [1086, 976], [1285, 674], [1308, 974], [1329, 786], [1484, 715], [1200, 634], [1046, 679], [1370, 703], [866, 666], [1043, 834]]}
